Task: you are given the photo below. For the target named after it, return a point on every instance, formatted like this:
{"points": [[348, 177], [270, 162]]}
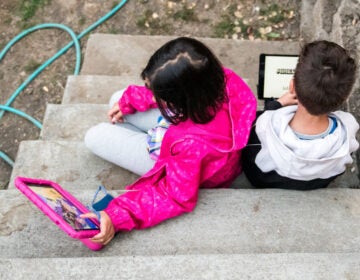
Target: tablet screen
{"points": [[275, 74], [62, 207]]}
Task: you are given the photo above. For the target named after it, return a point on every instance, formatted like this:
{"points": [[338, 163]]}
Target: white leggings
{"points": [[124, 144]]}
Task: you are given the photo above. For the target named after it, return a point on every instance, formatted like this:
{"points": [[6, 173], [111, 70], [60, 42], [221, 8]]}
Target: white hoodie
{"points": [[282, 151]]}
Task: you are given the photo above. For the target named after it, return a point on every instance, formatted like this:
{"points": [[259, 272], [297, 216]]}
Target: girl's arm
{"points": [[169, 191], [136, 98], [165, 192]]}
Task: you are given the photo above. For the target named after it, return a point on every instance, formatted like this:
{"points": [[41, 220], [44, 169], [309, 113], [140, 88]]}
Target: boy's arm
{"points": [[272, 105], [286, 99]]}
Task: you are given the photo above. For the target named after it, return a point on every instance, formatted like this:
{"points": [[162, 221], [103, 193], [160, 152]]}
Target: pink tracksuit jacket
{"points": [[192, 156]]}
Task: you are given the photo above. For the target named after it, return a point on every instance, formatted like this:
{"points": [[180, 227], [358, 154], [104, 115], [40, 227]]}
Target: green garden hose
{"points": [[75, 41]]}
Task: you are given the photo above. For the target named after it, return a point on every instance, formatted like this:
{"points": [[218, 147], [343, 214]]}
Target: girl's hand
{"points": [[107, 230], [115, 115], [287, 99]]}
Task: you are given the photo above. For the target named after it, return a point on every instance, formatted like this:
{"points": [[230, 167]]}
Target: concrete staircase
{"points": [[232, 234]]}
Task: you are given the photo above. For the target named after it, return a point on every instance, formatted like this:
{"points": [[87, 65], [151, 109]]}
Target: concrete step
{"points": [[71, 121], [73, 166], [127, 54], [96, 89], [225, 222], [196, 267], [76, 119], [68, 163]]}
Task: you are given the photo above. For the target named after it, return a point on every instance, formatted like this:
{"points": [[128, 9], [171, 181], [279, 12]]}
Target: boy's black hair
{"points": [[187, 81], [324, 77]]}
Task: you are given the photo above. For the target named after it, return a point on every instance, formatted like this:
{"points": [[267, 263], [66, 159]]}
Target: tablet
{"points": [[61, 207], [275, 74]]}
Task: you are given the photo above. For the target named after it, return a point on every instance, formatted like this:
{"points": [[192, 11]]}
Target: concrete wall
{"points": [[338, 21]]}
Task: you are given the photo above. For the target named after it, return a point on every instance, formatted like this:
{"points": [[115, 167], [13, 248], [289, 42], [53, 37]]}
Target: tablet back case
{"points": [[82, 235]]}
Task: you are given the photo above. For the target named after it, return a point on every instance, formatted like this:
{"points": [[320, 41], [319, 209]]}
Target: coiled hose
{"points": [[75, 42]]}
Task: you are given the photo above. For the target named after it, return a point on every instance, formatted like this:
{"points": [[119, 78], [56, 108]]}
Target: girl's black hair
{"points": [[187, 81]]}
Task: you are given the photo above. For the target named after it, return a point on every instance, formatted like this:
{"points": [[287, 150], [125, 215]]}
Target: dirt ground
{"points": [[236, 20]]}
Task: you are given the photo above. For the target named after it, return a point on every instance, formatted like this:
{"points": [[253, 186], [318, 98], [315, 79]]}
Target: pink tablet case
{"points": [[82, 235]]}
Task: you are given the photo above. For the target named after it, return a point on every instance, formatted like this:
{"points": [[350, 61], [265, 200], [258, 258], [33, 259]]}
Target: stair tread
{"points": [[108, 54], [253, 222], [71, 121], [218, 266], [68, 163], [95, 88]]}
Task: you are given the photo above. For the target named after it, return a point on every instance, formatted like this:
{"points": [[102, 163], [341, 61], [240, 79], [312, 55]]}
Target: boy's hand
{"points": [[287, 99], [115, 115], [107, 230]]}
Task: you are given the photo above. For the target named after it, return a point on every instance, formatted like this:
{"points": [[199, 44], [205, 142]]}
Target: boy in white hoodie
{"points": [[301, 142]]}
